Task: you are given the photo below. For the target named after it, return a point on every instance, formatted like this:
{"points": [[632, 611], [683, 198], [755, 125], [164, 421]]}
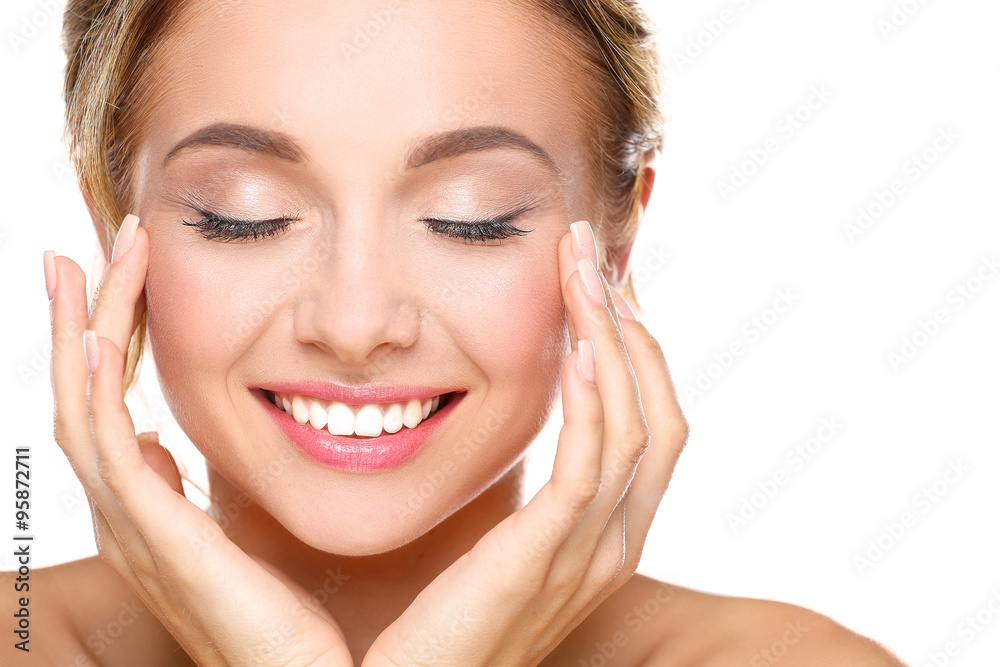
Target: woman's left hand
{"points": [[540, 572]]}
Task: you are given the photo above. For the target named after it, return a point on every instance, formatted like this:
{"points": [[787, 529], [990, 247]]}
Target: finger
{"points": [[576, 470], [161, 460], [69, 372], [143, 494], [581, 244], [142, 504], [120, 469], [578, 243], [554, 512], [117, 307], [625, 432], [668, 427], [120, 462]]}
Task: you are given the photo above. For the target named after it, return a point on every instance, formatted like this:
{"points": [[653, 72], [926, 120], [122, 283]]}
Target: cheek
{"points": [[506, 319], [509, 319], [208, 301], [203, 311], [182, 308]]}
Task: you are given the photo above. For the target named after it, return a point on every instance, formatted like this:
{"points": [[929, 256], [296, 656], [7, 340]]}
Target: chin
{"points": [[357, 526], [363, 515], [351, 539]]}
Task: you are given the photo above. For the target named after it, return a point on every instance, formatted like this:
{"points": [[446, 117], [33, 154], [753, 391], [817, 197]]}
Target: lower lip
{"points": [[359, 454]]}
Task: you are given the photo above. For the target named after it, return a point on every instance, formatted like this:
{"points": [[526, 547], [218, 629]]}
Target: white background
{"points": [[854, 300]]}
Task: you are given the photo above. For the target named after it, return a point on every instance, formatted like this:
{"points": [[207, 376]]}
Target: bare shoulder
{"points": [[82, 613], [760, 633], [648, 622], [624, 630]]}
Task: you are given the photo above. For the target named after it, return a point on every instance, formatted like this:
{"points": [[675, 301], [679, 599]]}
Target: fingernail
{"points": [[586, 361], [125, 238], [49, 261], [91, 351], [621, 305], [591, 281], [584, 243]]}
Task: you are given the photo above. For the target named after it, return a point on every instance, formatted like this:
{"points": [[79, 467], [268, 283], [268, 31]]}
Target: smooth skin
{"points": [[537, 577], [510, 600], [472, 576]]}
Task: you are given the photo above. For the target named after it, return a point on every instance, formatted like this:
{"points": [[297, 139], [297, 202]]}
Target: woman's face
{"points": [[344, 111]]}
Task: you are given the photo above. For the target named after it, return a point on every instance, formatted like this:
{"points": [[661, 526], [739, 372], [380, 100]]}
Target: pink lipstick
{"points": [[356, 453]]}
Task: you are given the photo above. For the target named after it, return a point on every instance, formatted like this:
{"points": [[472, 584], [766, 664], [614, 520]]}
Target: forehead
{"points": [[351, 76]]}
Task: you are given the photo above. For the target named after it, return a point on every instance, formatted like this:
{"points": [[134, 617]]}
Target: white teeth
{"points": [[341, 419], [392, 420], [317, 414], [370, 420], [413, 413], [300, 411]]}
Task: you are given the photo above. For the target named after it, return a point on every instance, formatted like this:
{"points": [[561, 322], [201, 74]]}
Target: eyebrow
{"points": [[471, 139], [246, 137], [434, 147]]}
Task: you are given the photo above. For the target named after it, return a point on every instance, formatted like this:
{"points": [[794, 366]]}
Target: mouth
{"points": [[369, 420], [358, 437]]}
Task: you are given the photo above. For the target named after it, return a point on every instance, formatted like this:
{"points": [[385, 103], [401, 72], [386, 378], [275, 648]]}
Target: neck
{"points": [[365, 594]]}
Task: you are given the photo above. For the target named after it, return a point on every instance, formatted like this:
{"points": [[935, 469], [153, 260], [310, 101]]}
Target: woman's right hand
{"points": [[223, 606]]}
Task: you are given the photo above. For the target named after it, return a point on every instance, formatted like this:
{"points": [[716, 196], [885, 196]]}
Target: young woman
{"points": [[349, 250]]}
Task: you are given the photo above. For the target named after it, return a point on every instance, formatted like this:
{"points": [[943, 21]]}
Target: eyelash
{"points": [[213, 226], [478, 231]]}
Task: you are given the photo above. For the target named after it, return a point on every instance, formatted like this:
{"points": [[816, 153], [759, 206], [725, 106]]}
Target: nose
{"points": [[357, 305]]}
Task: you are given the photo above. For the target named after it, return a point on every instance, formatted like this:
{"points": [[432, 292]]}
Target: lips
{"points": [[358, 453], [371, 419]]}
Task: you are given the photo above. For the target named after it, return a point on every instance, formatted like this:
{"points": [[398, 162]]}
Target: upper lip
{"points": [[331, 391]]}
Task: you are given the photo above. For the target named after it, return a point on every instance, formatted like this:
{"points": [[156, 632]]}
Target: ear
{"points": [[647, 177], [103, 236]]}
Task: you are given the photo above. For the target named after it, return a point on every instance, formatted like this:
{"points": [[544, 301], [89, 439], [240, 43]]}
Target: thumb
{"points": [[160, 460]]}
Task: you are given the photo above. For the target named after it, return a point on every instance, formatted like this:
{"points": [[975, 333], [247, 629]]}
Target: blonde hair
{"points": [[623, 107], [111, 48]]}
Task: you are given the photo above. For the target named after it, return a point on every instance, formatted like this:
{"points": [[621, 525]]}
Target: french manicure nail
{"points": [[584, 244], [624, 310], [91, 350], [591, 281], [125, 238], [586, 362], [49, 261]]}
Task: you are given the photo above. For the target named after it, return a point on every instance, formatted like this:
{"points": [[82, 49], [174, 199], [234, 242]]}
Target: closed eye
{"points": [[214, 226], [479, 231]]}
